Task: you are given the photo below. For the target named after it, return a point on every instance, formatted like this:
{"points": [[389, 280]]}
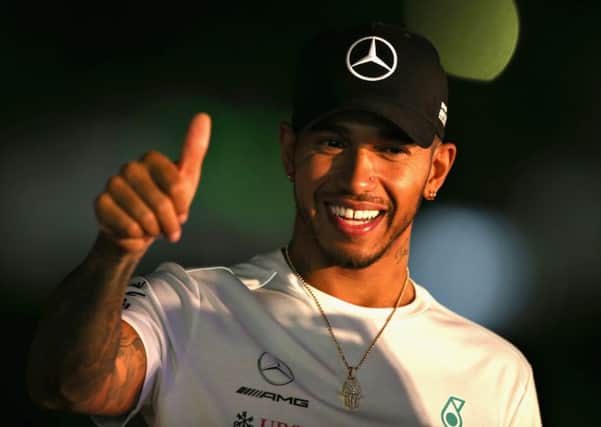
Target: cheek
{"points": [[406, 180], [310, 173], [312, 170], [313, 165]]}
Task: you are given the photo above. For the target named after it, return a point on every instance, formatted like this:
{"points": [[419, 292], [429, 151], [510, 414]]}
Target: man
{"points": [[329, 330]]}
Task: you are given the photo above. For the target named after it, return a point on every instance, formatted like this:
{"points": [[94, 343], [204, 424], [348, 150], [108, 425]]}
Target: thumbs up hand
{"points": [[152, 196]]}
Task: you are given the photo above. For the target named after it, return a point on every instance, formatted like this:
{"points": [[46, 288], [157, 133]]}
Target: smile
{"points": [[354, 216], [354, 222]]}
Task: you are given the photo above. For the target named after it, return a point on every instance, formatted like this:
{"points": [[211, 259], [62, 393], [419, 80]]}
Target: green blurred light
{"points": [[475, 38], [244, 178], [243, 184]]}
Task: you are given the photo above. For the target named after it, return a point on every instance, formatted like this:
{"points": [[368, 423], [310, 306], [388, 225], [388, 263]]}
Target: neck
{"points": [[377, 285]]}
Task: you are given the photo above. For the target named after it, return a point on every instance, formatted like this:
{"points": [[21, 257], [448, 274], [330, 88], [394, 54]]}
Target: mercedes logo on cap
{"points": [[273, 370], [371, 45]]}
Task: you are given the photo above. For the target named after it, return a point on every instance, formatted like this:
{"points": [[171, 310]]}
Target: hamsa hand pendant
{"points": [[351, 392]]}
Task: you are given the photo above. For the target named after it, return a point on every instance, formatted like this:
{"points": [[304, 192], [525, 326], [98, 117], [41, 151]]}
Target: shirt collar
{"points": [[260, 269]]}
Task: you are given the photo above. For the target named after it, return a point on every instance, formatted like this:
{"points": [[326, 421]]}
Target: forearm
{"points": [[78, 336], [82, 356]]}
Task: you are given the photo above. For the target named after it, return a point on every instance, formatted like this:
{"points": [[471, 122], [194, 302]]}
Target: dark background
{"points": [[528, 149]]}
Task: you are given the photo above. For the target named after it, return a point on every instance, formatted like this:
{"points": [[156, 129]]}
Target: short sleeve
{"points": [[142, 310], [162, 307], [527, 413]]}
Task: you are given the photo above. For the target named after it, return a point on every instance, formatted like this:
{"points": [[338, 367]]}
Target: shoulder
{"points": [[250, 275], [173, 298], [476, 340]]}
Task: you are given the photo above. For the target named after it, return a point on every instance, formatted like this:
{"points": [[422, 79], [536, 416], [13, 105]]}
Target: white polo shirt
{"points": [[245, 346]]}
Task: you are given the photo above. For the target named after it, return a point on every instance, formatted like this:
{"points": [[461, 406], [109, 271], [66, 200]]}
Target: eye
{"points": [[394, 149], [331, 143]]}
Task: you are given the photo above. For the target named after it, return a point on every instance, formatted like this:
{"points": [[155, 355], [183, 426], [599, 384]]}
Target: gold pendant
{"points": [[351, 391]]}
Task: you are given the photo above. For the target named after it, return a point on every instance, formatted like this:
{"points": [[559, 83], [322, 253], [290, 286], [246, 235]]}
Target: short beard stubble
{"points": [[344, 260]]}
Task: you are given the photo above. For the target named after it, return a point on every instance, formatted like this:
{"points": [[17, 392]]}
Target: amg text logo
{"points": [[261, 394]]}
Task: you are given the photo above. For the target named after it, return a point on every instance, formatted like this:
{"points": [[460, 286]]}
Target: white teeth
{"points": [[361, 215], [348, 213]]}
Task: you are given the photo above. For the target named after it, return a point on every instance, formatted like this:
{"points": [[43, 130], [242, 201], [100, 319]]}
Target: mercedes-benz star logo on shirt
{"points": [[273, 370], [373, 50]]}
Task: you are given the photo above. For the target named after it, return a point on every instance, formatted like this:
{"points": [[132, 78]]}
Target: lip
{"points": [[354, 205], [355, 230]]}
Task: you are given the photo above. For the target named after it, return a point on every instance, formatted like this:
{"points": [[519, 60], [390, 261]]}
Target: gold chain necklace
{"points": [[351, 389]]}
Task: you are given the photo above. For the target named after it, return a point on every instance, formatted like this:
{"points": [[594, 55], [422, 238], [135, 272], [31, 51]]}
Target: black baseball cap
{"points": [[378, 68]]}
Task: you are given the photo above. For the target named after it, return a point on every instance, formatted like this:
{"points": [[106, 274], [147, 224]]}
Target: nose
{"points": [[358, 171]]}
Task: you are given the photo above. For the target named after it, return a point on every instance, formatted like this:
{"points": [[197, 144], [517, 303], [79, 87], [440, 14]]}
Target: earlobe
{"points": [[431, 195], [287, 144], [443, 158]]}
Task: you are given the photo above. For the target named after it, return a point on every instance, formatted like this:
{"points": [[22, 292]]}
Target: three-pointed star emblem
{"points": [[376, 44]]}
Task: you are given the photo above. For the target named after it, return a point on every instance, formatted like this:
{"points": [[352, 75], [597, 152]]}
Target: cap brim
{"points": [[412, 123]]}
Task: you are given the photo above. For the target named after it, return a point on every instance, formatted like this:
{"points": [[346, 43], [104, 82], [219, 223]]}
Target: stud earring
{"points": [[431, 195]]}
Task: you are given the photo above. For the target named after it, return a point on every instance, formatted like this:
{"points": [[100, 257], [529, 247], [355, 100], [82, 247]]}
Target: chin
{"points": [[351, 259]]}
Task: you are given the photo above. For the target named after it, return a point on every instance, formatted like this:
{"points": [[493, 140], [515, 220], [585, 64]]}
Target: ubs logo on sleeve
{"points": [[138, 284], [273, 370]]}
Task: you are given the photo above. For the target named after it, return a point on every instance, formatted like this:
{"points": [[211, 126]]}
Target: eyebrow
{"points": [[330, 127], [388, 132]]}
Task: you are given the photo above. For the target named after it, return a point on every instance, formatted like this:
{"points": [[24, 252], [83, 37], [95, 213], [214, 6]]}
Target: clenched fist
{"points": [[152, 196]]}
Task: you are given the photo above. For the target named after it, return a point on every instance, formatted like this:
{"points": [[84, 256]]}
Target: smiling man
{"points": [[359, 182], [330, 329]]}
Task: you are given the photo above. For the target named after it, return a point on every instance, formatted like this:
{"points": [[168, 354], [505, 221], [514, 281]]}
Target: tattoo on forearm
{"points": [[82, 333], [93, 357], [130, 367]]}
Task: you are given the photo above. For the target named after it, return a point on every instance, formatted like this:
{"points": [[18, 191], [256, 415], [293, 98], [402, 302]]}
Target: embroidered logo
{"points": [[276, 397], [243, 420], [442, 114], [373, 50], [273, 370], [451, 412]]}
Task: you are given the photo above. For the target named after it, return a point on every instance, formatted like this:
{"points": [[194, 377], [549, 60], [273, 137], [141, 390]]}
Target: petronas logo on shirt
{"points": [[451, 412]]}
